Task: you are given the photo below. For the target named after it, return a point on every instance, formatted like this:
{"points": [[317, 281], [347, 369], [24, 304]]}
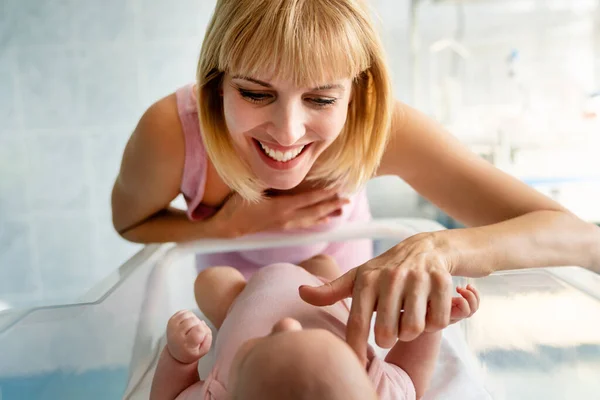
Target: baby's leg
{"points": [[215, 290], [322, 265]]}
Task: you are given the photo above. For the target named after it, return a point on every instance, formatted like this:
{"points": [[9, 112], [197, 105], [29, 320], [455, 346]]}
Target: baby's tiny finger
{"points": [[475, 292], [195, 336], [188, 315], [175, 318], [187, 324], [472, 299], [206, 343]]}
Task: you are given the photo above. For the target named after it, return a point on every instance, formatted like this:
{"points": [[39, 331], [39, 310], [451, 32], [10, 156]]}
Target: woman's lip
{"points": [[279, 165], [278, 147]]}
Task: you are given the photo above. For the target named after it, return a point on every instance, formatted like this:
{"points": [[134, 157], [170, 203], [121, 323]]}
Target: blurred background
{"points": [[518, 81]]}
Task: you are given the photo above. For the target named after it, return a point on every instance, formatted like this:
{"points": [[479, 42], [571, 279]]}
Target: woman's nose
{"points": [[289, 124], [287, 324]]}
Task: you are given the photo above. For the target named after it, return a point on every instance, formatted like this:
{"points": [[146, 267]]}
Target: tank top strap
{"points": [[193, 181]]}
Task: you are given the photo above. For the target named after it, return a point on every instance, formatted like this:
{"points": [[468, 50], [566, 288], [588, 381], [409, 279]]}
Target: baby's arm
{"points": [[418, 357], [188, 340]]}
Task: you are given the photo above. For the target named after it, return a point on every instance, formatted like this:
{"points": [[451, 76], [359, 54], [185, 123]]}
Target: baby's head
{"points": [[293, 363]]}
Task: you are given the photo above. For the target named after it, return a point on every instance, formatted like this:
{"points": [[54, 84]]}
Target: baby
{"points": [[273, 345]]}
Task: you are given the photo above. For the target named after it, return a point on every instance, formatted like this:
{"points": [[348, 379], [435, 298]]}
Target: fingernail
{"points": [[306, 286], [336, 213]]}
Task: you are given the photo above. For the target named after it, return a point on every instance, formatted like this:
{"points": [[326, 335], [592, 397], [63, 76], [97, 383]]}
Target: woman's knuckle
{"points": [[441, 278], [368, 279], [396, 275], [287, 225], [417, 276]]}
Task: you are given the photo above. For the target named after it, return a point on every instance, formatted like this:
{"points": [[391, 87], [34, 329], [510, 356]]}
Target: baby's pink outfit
{"points": [[271, 295], [348, 254]]}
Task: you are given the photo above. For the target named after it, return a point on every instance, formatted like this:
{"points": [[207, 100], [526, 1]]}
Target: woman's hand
{"points": [[238, 217], [413, 276]]}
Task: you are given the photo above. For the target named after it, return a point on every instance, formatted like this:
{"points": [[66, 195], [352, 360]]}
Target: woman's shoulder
{"points": [[162, 135], [160, 124], [416, 144], [158, 134]]}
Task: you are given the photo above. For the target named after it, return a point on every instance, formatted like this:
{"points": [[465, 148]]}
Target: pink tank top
{"points": [[348, 255], [271, 295]]}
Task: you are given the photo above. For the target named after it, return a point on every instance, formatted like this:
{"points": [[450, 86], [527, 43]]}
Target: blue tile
{"points": [[13, 175], [4, 25], [105, 150], [48, 80], [64, 250], [111, 250], [18, 274], [8, 110], [39, 22], [104, 21], [167, 67], [58, 174], [110, 86], [168, 20]]}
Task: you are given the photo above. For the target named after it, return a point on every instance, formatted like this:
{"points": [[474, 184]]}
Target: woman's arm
{"points": [[536, 239], [513, 226], [519, 227], [149, 179]]}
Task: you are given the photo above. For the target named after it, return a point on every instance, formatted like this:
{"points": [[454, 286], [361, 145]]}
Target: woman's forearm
{"points": [[536, 239], [172, 225]]}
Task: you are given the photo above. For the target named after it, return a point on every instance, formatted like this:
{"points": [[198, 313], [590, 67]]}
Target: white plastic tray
{"points": [[536, 335]]}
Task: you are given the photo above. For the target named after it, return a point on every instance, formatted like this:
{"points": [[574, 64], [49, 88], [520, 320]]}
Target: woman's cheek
{"points": [[332, 126], [239, 117]]}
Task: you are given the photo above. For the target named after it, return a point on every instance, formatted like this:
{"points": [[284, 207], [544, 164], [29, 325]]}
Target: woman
{"points": [[291, 114]]}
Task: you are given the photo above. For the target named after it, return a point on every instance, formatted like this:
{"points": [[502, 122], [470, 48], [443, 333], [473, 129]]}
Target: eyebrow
{"points": [[328, 86]]}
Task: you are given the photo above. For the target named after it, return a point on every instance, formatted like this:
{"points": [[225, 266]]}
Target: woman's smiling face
{"points": [[279, 129]]}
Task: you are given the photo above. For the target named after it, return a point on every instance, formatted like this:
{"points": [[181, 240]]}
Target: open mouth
{"points": [[281, 156]]}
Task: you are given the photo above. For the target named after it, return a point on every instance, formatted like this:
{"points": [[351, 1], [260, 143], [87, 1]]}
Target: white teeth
{"points": [[279, 156]]}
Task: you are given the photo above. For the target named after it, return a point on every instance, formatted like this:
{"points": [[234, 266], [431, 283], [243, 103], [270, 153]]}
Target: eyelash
{"points": [[258, 98]]}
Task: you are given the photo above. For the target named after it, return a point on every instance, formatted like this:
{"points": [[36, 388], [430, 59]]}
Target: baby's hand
{"points": [[466, 305], [188, 337]]}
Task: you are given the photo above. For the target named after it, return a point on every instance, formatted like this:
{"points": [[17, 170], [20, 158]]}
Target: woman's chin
{"points": [[283, 183]]}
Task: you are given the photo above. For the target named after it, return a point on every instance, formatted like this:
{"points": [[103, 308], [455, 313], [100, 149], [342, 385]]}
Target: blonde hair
{"points": [[308, 42]]}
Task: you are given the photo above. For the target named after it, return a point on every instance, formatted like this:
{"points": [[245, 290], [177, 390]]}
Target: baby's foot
{"points": [[188, 337]]}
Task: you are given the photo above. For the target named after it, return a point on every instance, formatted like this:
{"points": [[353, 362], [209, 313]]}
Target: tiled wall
{"points": [[75, 77]]}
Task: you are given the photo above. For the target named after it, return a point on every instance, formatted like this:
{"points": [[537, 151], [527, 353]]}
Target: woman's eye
{"points": [[254, 96], [322, 102]]}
